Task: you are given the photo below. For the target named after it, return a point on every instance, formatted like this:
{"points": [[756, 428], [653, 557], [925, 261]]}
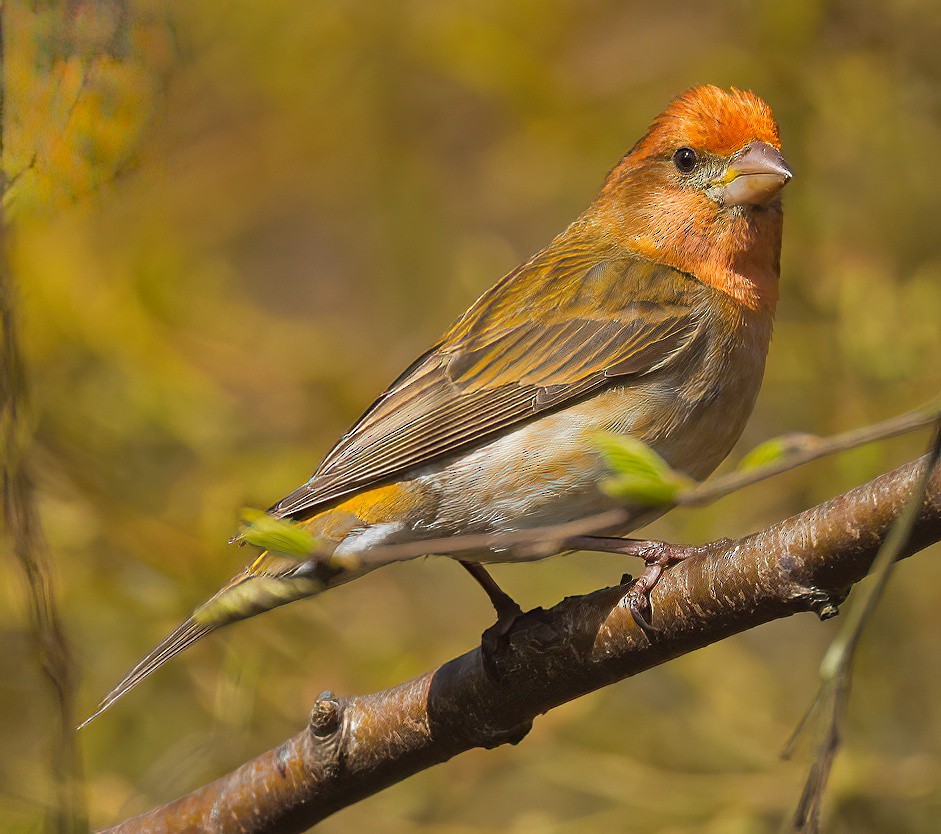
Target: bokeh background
{"points": [[231, 224]]}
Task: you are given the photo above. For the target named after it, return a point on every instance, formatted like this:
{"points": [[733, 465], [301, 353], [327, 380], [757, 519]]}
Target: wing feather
{"points": [[502, 365]]}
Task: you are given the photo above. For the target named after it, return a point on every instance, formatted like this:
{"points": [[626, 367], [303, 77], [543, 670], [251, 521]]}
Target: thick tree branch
{"points": [[354, 747]]}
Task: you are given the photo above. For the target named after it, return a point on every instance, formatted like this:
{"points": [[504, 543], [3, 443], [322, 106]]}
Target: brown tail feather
{"points": [[269, 582], [181, 638]]}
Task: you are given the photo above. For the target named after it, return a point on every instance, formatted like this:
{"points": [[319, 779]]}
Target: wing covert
{"points": [[503, 364]]}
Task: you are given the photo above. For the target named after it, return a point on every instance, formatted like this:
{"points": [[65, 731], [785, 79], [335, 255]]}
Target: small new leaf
{"points": [[776, 449], [641, 476], [264, 530]]}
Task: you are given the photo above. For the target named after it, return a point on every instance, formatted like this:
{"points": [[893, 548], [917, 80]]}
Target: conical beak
{"points": [[755, 177]]}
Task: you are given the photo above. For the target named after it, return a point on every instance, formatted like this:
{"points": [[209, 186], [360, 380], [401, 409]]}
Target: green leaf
{"points": [[276, 534], [641, 476], [775, 449]]}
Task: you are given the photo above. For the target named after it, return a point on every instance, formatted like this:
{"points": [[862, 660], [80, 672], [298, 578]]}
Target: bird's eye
{"points": [[685, 160]]}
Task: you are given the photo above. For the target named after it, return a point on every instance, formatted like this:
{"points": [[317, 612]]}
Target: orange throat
{"points": [[740, 263], [736, 252]]}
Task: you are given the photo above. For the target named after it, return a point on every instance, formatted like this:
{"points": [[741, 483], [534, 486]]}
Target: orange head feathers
{"points": [[715, 120], [701, 192]]}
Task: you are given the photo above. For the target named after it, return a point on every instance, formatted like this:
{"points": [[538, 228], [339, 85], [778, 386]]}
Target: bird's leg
{"points": [[656, 555], [505, 606], [494, 638]]}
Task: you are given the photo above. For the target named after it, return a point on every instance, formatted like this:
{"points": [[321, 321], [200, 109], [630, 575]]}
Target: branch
{"points": [[354, 747]]}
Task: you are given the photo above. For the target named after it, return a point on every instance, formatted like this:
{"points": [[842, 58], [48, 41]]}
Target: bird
{"points": [[650, 316]]}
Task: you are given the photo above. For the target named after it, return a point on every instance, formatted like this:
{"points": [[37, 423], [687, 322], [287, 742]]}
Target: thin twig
{"points": [[837, 666], [813, 448]]}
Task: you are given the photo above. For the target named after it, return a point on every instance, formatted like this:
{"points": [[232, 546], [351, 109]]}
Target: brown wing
{"points": [[502, 364]]}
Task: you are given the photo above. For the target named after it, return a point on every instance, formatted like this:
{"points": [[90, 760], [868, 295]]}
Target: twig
{"points": [[812, 448], [837, 666]]}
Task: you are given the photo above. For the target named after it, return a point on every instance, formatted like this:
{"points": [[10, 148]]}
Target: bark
{"points": [[354, 747]]}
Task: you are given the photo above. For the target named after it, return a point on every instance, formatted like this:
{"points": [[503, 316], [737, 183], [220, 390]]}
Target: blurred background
{"points": [[232, 224]]}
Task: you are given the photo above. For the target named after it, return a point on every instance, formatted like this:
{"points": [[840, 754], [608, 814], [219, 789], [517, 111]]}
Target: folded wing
{"points": [[505, 362]]}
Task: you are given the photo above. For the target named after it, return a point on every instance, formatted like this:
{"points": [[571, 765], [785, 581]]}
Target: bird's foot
{"points": [[657, 557], [494, 640], [507, 615], [637, 598]]}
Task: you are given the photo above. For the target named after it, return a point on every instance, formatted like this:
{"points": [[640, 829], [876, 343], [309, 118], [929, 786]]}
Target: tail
{"points": [[269, 582], [181, 638]]}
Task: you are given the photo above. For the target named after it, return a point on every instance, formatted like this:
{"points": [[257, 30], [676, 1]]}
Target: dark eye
{"points": [[685, 160]]}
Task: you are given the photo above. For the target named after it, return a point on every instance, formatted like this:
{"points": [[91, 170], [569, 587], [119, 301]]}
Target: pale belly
{"points": [[547, 472], [543, 473]]}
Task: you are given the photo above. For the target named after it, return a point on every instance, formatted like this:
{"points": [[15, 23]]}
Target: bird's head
{"points": [[701, 191]]}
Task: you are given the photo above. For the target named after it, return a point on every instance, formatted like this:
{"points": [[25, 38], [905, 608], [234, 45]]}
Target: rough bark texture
{"points": [[354, 747]]}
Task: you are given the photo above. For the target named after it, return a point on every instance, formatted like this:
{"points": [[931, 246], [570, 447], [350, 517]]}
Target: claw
{"points": [[657, 557], [640, 618], [637, 598], [506, 618]]}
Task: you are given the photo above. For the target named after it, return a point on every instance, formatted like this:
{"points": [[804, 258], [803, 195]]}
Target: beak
{"points": [[755, 177]]}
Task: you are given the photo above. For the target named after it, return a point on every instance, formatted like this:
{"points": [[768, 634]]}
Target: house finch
{"points": [[650, 315]]}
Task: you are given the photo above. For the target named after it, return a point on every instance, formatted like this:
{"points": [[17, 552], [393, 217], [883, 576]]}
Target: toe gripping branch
{"points": [[657, 556]]}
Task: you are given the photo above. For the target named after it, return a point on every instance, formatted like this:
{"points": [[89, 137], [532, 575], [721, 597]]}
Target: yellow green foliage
{"points": [[640, 475], [270, 533]]}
